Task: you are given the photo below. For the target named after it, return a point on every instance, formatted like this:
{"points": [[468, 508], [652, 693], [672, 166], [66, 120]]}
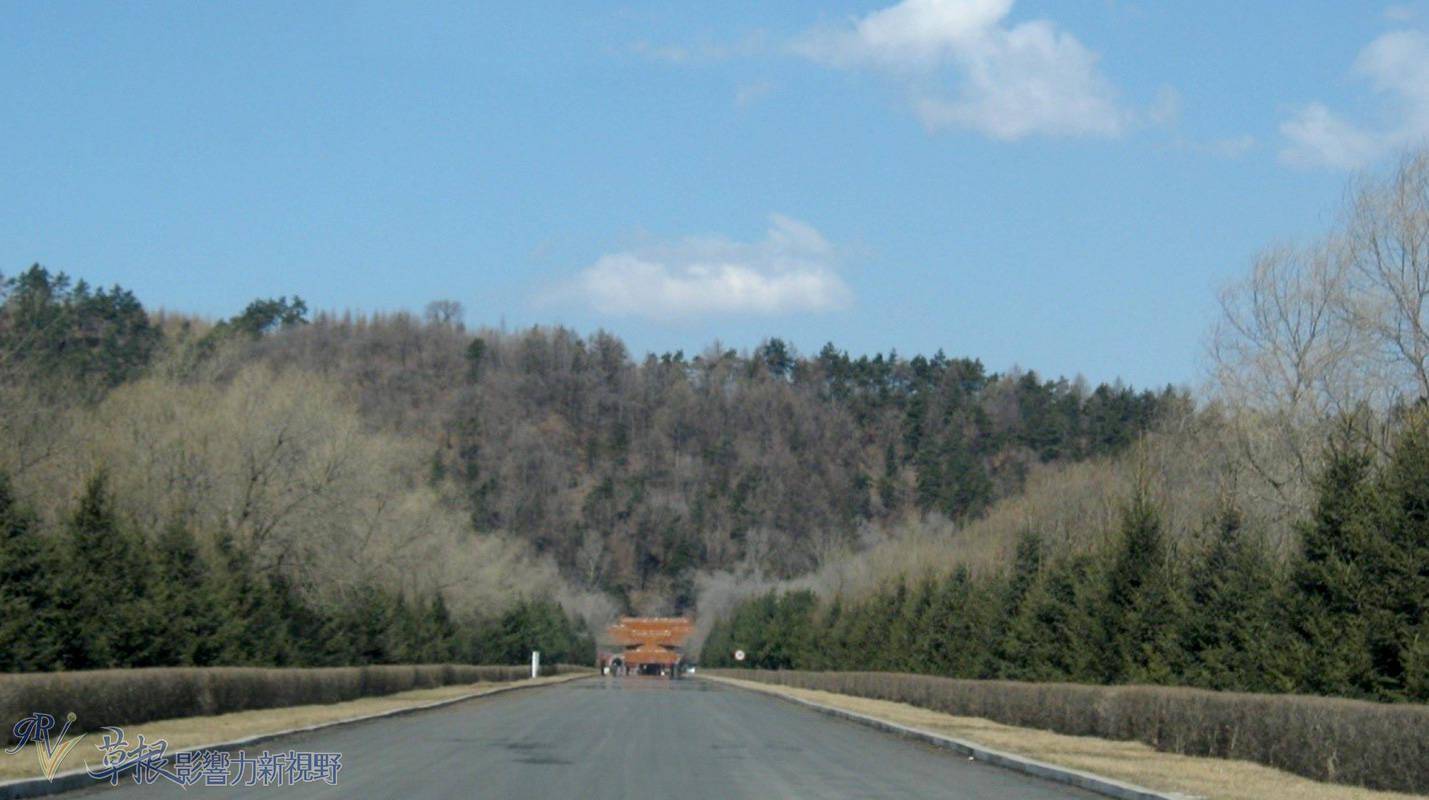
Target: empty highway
{"points": [[626, 738]]}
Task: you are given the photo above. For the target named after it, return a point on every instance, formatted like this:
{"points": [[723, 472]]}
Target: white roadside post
{"points": [[535, 663]]}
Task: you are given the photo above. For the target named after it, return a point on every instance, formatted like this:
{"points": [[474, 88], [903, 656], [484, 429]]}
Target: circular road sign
{"points": [[739, 655]]}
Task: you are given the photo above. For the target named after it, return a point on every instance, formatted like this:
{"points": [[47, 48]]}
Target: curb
{"points": [[79, 778], [1027, 766]]}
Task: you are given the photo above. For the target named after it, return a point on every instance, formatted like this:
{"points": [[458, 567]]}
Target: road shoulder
{"points": [[22, 778], [1122, 768]]}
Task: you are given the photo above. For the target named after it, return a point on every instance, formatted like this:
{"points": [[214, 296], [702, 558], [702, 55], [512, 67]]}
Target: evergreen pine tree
{"points": [[403, 635], [963, 621], [255, 632], [868, 628], [28, 621], [1027, 648], [439, 632], [831, 654], [1397, 616], [791, 632], [1066, 608], [370, 618], [1231, 631], [1022, 637], [187, 597], [1331, 649], [717, 649], [1026, 568], [107, 592], [888, 483], [928, 487], [1145, 606], [906, 633], [966, 489]]}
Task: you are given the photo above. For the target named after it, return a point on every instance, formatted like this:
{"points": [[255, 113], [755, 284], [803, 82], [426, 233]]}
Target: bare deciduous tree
{"points": [[1284, 359], [1333, 331], [1387, 248], [445, 312], [282, 463], [590, 559]]}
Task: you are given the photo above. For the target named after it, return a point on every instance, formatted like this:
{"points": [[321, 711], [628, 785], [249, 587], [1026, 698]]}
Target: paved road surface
{"points": [[632, 738]]}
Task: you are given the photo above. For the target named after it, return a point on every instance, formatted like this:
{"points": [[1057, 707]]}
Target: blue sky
{"points": [[1053, 185]]}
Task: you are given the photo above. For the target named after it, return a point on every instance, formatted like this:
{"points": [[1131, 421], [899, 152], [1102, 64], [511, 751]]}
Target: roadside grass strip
{"points": [[20, 774], [1125, 769]]}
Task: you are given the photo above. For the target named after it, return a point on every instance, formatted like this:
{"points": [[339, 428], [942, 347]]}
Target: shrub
{"points": [[130, 696], [1376, 745]]}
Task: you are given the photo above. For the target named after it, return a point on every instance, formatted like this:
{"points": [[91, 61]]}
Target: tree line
{"points": [[1347, 614], [102, 596], [161, 503], [637, 473], [632, 474]]}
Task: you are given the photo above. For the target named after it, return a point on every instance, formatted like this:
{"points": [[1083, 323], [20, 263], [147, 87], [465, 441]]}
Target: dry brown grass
{"points": [[1132, 762], [190, 732], [1376, 745]]}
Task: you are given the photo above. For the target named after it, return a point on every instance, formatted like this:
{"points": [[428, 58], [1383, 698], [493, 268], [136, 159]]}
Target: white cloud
{"points": [[752, 93], [669, 53], [1008, 81], [1399, 13], [790, 270], [1167, 108], [1396, 66], [705, 52], [1232, 147], [1229, 147], [1319, 138]]}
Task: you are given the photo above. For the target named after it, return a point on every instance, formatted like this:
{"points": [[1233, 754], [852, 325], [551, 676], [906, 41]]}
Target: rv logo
{"points": [[50, 749]]}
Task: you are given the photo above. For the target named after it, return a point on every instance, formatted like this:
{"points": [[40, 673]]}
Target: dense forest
{"points": [[313, 489], [1347, 615], [161, 504], [100, 595], [637, 474], [1274, 538], [367, 480]]}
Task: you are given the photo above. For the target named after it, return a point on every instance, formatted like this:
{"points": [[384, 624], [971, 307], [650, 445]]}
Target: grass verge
{"points": [[1130, 761], [188, 732]]}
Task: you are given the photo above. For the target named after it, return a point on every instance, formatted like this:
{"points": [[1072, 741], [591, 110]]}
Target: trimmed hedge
{"points": [[130, 696], [1376, 745]]}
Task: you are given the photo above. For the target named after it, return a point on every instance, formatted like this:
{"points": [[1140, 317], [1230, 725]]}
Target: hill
{"points": [[630, 475]]}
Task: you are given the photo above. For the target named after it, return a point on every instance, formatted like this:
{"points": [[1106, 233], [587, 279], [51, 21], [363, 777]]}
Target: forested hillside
{"points": [[403, 462], [1347, 614], [635, 473], [162, 502], [1271, 539]]}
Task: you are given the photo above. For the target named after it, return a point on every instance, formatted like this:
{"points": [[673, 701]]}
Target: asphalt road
{"points": [[626, 738]]}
